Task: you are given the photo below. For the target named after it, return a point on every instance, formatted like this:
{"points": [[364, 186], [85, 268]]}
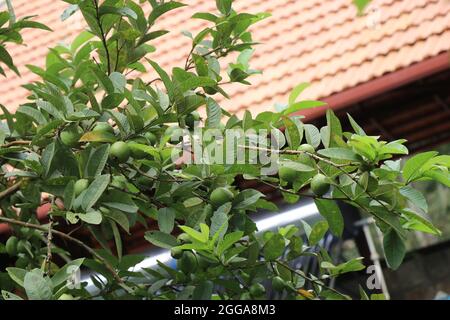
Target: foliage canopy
{"points": [[99, 142]]}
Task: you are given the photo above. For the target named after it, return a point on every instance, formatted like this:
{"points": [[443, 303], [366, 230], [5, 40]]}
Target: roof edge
{"points": [[382, 84]]}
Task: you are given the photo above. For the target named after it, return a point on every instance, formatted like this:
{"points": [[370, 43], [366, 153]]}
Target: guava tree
{"points": [[107, 151]]}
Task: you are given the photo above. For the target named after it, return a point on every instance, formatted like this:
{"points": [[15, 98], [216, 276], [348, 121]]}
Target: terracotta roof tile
{"points": [[322, 42]]}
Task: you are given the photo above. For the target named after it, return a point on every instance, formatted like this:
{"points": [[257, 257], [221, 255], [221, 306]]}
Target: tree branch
{"points": [[69, 238], [14, 143], [102, 36], [48, 258], [10, 190], [307, 195], [331, 163], [304, 276]]}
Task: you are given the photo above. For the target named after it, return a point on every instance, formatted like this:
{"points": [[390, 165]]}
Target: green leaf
{"points": [[307, 228], [386, 216], [119, 81], [119, 217], [192, 202], [411, 170], [203, 291], [419, 223], [147, 149], [31, 24], [49, 127], [317, 232], [9, 118], [152, 35], [47, 158], [194, 234], [394, 147], [297, 166], [377, 296], [441, 160], [349, 266], [95, 191], [97, 161], [80, 40], [10, 296], [205, 16], [294, 133], [161, 9], [196, 82], [83, 115], [228, 241], [302, 105], [122, 122], [50, 108], [339, 153], [91, 217], [219, 222], [439, 176], [161, 239], [17, 274], [334, 129], [415, 197], [199, 38], [117, 238], [296, 92], [36, 286], [312, 135], [358, 130], [104, 80], [363, 294], [394, 249], [98, 136], [224, 6], [274, 247], [69, 195], [331, 212], [165, 78], [119, 200], [213, 112], [246, 198], [166, 219], [66, 272], [157, 285], [361, 5], [33, 113], [123, 11], [5, 57]]}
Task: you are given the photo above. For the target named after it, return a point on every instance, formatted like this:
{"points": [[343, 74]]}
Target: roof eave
{"points": [[382, 84]]}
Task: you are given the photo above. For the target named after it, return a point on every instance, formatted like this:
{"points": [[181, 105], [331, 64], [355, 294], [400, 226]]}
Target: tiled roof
{"points": [[316, 41]]}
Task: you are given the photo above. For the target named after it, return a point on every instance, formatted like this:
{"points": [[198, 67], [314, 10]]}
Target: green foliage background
{"points": [[97, 140]]}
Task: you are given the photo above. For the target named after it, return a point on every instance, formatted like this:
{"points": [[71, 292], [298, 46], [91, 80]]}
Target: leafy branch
{"points": [[102, 35], [69, 238]]}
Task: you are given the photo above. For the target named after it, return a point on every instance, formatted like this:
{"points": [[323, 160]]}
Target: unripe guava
{"points": [[11, 246], [220, 196], [307, 148], [288, 174], [103, 127], [71, 135], [257, 290], [320, 184], [120, 151], [80, 186]]}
